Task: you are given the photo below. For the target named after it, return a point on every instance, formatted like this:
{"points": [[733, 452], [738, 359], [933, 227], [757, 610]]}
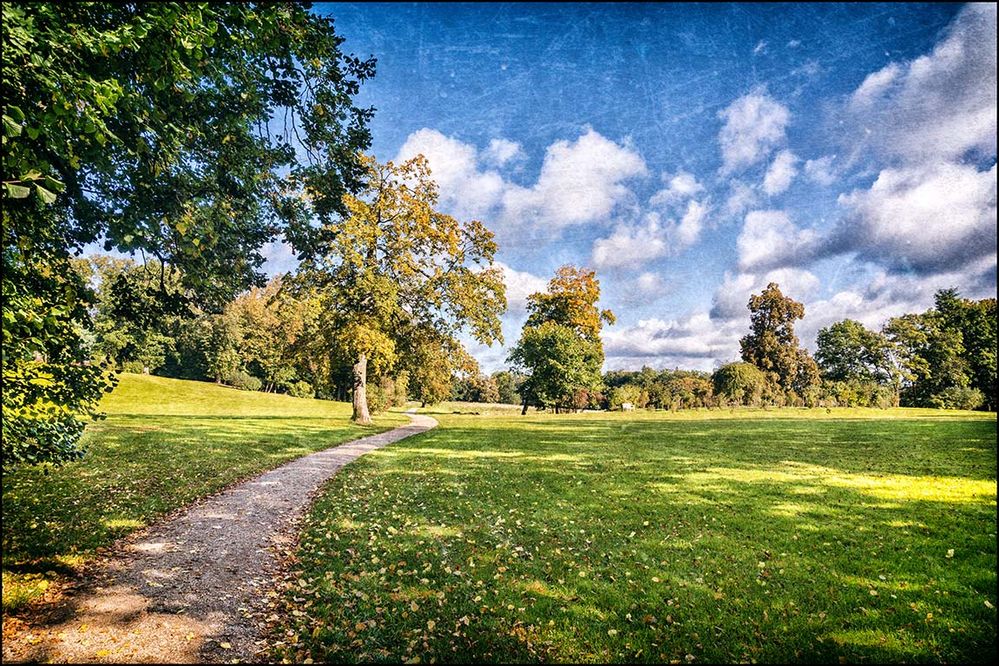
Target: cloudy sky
{"points": [[691, 154]]}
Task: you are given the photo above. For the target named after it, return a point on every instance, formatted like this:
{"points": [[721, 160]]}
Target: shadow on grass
{"points": [[725, 540]]}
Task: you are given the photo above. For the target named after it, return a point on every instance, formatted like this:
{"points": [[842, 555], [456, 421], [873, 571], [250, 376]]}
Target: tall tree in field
{"points": [[772, 345], [560, 348], [976, 322], [167, 129], [395, 274], [849, 351]]}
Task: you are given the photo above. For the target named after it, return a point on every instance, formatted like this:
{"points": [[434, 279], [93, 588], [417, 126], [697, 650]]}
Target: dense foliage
{"points": [[397, 281], [173, 130], [559, 350]]}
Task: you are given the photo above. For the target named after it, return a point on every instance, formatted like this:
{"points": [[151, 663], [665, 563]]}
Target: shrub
{"points": [[741, 383], [134, 367], [242, 380], [299, 389], [626, 393], [958, 397]]}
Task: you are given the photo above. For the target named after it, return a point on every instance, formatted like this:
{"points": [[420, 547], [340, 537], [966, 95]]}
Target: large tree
{"points": [[849, 351], [396, 275], [560, 349], [772, 345], [180, 131]]}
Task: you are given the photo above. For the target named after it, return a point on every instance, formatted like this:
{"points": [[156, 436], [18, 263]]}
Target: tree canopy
{"points": [[560, 349], [772, 345], [394, 275], [188, 133]]}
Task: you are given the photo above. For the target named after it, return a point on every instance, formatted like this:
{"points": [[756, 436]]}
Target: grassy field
{"points": [[722, 536], [165, 443]]}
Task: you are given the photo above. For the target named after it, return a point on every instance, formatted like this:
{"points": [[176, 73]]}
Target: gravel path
{"points": [[185, 590]]}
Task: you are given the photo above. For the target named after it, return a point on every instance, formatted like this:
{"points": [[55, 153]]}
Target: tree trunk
{"points": [[524, 410], [361, 415]]}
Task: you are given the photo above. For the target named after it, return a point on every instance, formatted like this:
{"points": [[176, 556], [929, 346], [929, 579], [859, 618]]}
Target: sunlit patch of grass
{"points": [[165, 443], [745, 536]]}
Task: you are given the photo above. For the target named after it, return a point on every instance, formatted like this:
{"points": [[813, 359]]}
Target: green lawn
{"points": [[165, 443], [788, 535]]}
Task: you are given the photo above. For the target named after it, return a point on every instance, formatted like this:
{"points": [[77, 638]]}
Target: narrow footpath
{"points": [[185, 589]]}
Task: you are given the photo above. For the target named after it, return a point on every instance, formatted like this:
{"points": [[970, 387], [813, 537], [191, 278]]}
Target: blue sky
{"points": [[692, 153]]}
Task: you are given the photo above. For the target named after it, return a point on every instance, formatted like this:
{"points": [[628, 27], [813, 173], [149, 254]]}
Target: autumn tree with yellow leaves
{"points": [[395, 275]]}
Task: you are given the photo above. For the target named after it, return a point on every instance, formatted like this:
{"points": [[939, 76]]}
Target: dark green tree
{"points": [[560, 349], [740, 383], [772, 345], [172, 130], [508, 386]]}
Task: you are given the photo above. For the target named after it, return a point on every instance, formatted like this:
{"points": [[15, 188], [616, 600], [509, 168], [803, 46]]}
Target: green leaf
{"points": [[45, 195], [53, 184], [15, 191], [10, 126]]}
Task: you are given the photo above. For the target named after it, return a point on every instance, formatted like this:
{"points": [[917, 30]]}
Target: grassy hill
{"points": [[720, 537], [164, 443]]}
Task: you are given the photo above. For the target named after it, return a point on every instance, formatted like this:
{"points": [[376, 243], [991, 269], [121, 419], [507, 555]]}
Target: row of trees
{"points": [[373, 304], [944, 357], [192, 135]]}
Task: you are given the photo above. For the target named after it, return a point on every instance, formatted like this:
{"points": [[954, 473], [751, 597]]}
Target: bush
{"points": [[628, 393], [135, 367], [742, 383], [958, 397], [242, 380], [300, 389], [378, 398]]}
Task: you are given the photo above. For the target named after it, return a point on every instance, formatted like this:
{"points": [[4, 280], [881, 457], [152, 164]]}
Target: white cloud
{"points": [[464, 190], [631, 245], [882, 296], [688, 231], [681, 186], [940, 105], [821, 170], [741, 197], [874, 86], [924, 219], [279, 257], [769, 239], [731, 299], [694, 341], [636, 244], [761, 47], [754, 126], [501, 151], [649, 283], [581, 181], [782, 171], [520, 285]]}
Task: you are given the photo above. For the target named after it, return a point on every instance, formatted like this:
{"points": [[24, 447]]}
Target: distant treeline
{"points": [[266, 340], [944, 358]]}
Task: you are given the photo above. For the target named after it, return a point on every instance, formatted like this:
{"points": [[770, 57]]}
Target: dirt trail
{"points": [[181, 591]]}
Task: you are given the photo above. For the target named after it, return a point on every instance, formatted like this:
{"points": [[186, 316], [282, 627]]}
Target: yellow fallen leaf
{"points": [[612, 632], [103, 653], [430, 625], [225, 646], [413, 606], [950, 552]]}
